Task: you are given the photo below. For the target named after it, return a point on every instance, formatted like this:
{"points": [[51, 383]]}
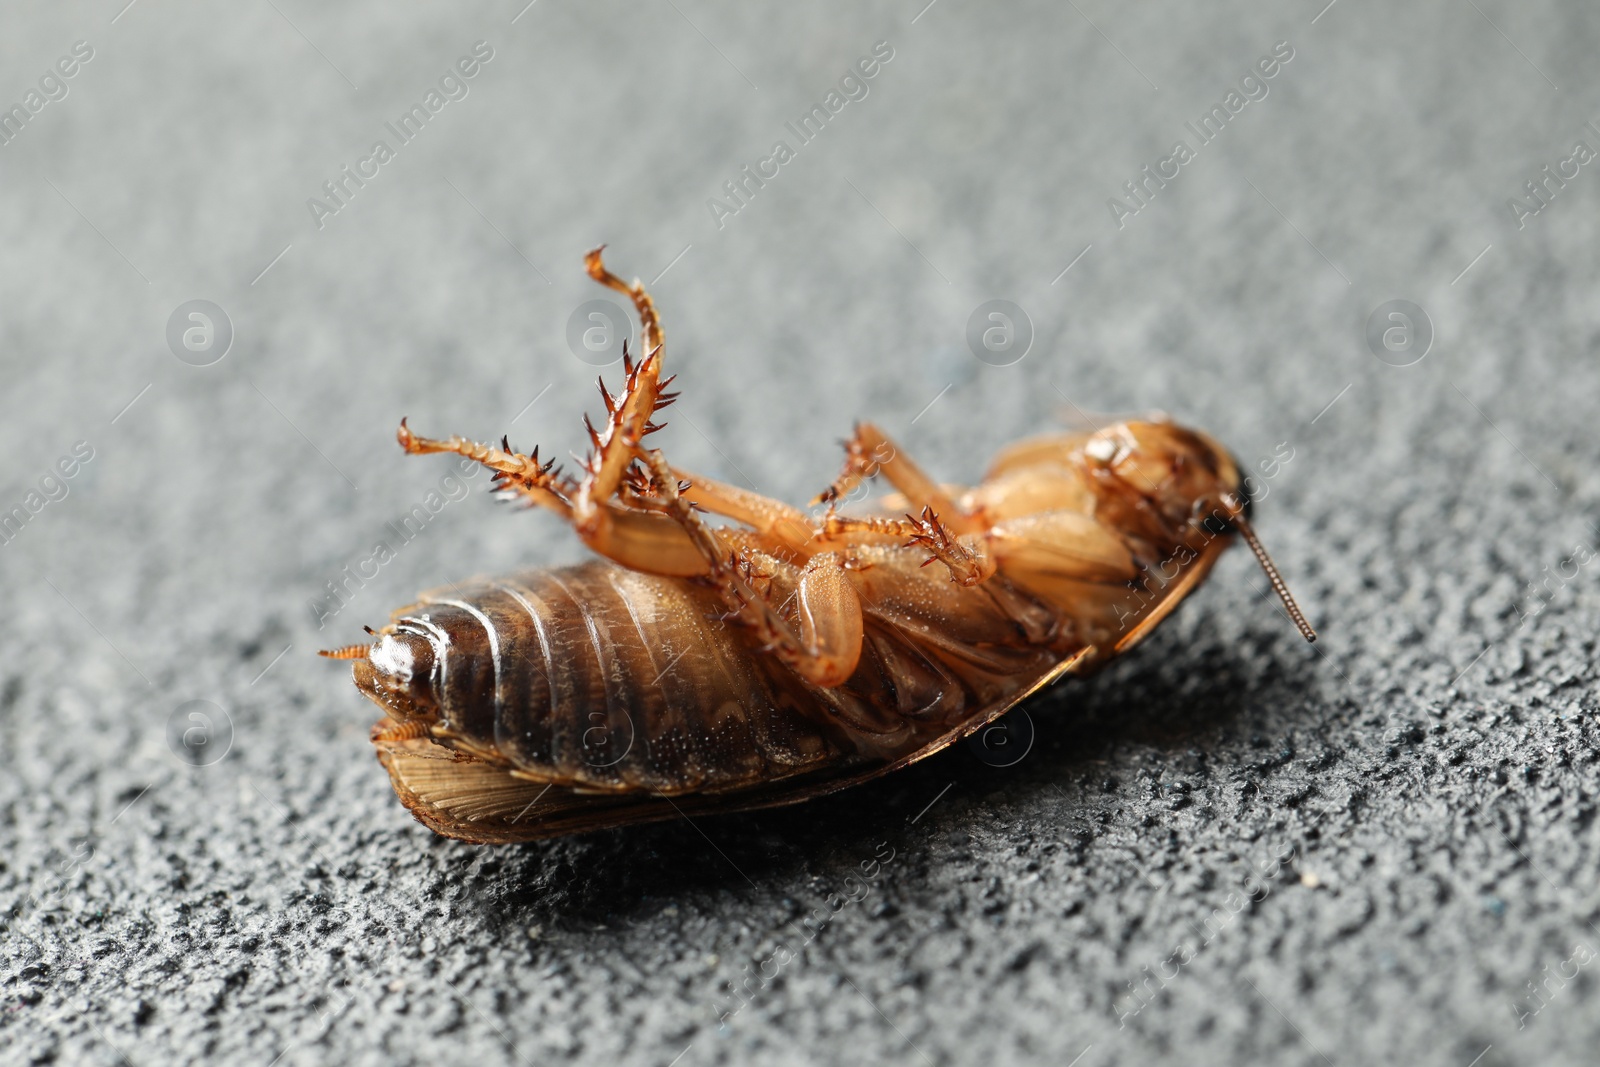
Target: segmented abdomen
{"points": [[597, 675]]}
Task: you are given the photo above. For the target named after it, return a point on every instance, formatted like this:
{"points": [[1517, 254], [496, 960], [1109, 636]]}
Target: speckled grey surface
{"points": [[1409, 805]]}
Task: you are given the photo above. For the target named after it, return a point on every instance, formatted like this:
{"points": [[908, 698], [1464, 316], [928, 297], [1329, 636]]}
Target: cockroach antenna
{"points": [[1275, 578]]}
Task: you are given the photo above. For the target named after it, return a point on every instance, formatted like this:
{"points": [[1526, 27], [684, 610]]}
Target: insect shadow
{"points": [[1185, 689], [1189, 693]]}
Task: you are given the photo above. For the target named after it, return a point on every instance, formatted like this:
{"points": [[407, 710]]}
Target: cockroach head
{"points": [[1194, 484], [1192, 481], [398, 674]]}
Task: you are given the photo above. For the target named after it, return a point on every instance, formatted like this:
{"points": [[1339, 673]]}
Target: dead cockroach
{"points": [[781, 654]]}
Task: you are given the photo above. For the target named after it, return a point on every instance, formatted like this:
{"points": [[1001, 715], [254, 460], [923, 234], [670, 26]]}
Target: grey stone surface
{"points": [[1419, 788]]}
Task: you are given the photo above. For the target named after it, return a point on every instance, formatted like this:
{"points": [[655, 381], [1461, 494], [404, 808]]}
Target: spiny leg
{"points": [[541, 484], [619, 444], [628, 418], [649, 321], [781, 527], [635, 538], [639, 540], [585, 500], [966, 557], [827, 645], [868, 452]]}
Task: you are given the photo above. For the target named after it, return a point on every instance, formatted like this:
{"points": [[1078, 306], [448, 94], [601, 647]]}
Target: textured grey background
{"points": [[1431, 763]]}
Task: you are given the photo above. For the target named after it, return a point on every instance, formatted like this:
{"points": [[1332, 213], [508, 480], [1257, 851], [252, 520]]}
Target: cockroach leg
{"points": [[827, 646], [627, 417], [668, 493], [850, 529], [638, 540], [513, 470], [966, 557], [831, 626], [617, 445], [649, 321], [784, 530], [869, 452]]}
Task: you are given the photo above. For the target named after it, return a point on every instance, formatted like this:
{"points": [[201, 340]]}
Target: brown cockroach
{"points": [[780, 654]]}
